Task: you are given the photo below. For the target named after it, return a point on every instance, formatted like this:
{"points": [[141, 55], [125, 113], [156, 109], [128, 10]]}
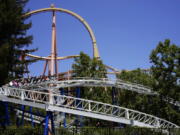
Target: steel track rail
{"points": [[41, 84], [91, 82], [83, 107]]}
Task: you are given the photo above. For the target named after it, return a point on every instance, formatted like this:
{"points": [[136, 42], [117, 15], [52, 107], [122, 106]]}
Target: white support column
{"points": [[50, 97], [157, 123], [6, 91], [89, 106], [22, 95], [127, 114]]}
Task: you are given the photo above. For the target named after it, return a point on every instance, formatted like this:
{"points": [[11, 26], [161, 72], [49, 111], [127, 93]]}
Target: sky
{"points": [[126, 30]]}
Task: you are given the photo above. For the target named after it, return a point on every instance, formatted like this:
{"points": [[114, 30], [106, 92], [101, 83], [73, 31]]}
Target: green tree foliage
{"points": [[163, 78], [166, 69], [12, 40], [135, 100], [84, 66], [165, 59], [137, 76], [81, 67]]}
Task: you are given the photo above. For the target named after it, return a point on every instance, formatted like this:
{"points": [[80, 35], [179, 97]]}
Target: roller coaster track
{"points": [[40, 84], [83, 107], [85, 82]]}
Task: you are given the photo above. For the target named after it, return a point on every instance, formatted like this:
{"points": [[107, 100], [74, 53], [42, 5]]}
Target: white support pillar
{"points": [[127, 114], [157, 123], [89, 106], [22, 95], [6, 91]]}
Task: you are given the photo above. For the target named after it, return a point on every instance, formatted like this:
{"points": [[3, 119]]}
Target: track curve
{"points": [[78, 17], [39, 84], [85, 82], [83, 107]]}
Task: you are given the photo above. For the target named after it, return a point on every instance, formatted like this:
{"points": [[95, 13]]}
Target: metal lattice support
{"points": [[43, 83], [89, 108]]}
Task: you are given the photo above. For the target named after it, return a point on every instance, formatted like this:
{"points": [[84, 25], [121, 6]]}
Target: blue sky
{"points": [[126, 30]]}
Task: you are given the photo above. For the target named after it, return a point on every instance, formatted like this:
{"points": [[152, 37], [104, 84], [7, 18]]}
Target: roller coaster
{"points": [[47, 92]]}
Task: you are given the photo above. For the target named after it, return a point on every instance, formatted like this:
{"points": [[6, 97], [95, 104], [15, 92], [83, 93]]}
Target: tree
{"points": [[135, 100], [166, 68], [81, 67], [165, 59], [84, 66], [163, 78], [146, 103], [13, 39], [138, 76]]}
